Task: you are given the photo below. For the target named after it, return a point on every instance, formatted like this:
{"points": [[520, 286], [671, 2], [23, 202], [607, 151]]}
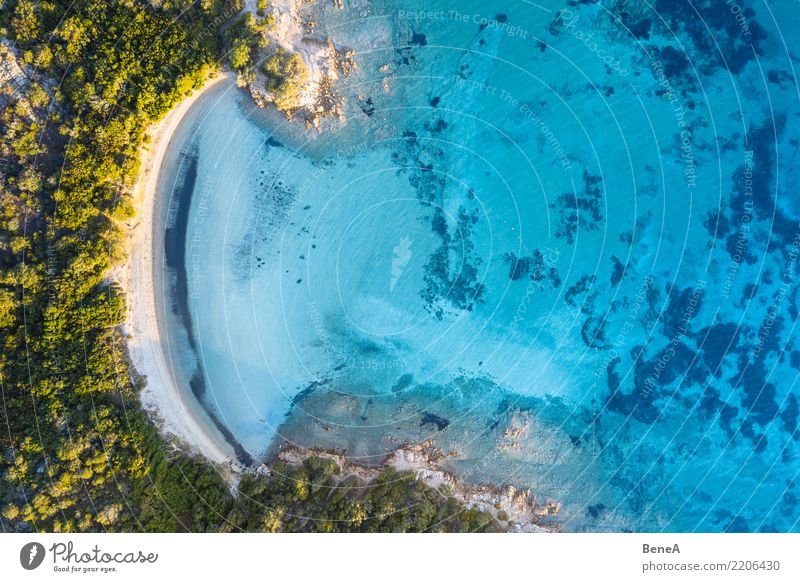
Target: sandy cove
{"points": [[166, 395]]}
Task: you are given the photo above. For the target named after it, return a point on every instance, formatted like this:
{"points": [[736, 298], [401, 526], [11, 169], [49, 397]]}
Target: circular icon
{"points": [[31, 555]]}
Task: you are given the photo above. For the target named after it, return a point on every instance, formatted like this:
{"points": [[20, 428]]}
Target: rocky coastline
{"points": [[290, 30], [517, 510]]}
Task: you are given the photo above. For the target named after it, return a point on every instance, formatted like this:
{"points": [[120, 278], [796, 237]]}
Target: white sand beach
{"points": [[167, 395]]}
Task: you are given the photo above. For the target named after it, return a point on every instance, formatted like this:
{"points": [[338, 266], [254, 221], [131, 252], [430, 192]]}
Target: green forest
{"points": [[81, 83]]}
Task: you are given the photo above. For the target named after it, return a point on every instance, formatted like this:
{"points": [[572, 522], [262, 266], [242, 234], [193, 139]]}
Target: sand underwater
{"points": [[559, 239]]}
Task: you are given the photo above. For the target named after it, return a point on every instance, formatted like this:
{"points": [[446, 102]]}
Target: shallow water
{"points": [[568, 259]]}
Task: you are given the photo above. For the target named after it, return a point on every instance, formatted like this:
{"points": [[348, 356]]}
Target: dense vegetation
{"points": [[286, 76], [81, 83], [244, 37], [283, 73], [311, 498]]}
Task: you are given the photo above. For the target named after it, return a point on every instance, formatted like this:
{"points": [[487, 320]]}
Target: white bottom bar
{"points": [[351, 558]]}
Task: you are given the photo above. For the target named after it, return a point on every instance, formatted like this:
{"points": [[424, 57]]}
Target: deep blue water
{"points": [[559, 239]]}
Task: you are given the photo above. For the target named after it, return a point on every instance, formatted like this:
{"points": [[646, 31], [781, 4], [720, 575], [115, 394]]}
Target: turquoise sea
{"points": [[560, 239]]}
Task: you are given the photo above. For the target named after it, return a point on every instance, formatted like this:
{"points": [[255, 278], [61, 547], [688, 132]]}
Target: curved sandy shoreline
{"points": [[166, 396]]}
